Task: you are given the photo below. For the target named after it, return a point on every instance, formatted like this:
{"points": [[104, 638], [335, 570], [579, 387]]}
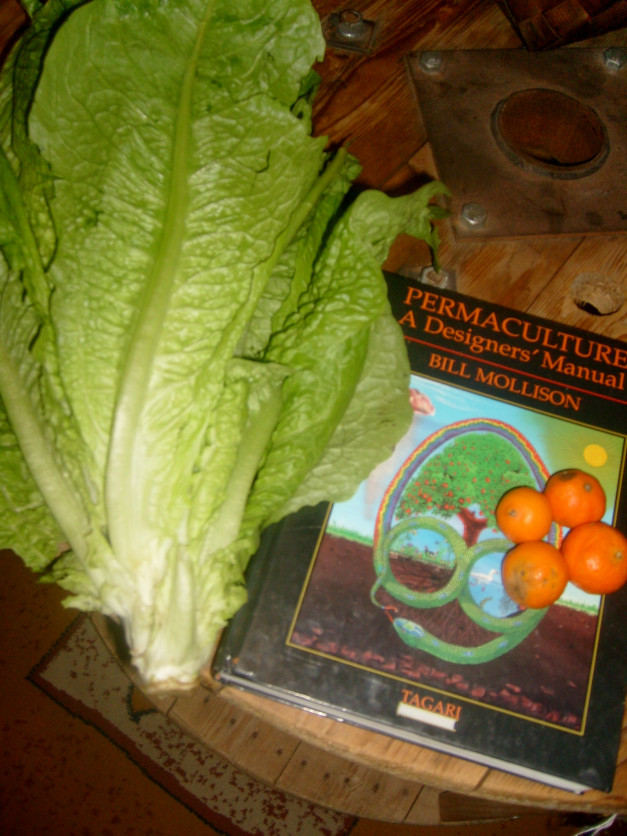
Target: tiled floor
{"points": [[61, 777]]}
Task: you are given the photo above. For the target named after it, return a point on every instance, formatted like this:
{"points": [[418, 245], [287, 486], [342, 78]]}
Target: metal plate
{"points": [[492, 195]]}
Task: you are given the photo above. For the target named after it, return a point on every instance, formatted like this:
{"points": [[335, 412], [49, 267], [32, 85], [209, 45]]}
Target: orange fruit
{"points": [[596, 556], [524, 513], [575, 497], [534, 574]]}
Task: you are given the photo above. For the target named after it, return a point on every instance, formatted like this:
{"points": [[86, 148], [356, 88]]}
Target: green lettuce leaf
{"points": [[195, 337]]}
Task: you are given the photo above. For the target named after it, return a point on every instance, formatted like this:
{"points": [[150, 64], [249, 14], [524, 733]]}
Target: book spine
{"points": [[234, 634]]}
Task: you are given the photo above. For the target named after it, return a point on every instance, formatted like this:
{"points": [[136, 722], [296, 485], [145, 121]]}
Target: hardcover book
{"points": [[388, 610]]}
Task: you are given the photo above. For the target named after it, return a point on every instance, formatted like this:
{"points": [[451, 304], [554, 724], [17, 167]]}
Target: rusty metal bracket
{"points": [[515, 165]]}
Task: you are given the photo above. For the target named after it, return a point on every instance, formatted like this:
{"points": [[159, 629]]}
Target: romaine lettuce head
{"points": [[195, 338]]}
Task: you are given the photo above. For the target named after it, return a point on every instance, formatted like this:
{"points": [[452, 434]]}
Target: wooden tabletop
{"points": [[368, 101]]}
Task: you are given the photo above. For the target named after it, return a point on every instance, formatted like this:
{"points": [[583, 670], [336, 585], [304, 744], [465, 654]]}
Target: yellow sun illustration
{"points": [[595, 455]]}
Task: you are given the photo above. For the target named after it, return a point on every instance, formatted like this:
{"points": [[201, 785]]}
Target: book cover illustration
{"points": [[388, 610], [406, 577]]}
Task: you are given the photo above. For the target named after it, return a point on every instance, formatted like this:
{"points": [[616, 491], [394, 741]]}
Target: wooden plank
{"points": [[619, 790], [255, 746], [478, 25], [501, 786], [505, 270], [432, 24], [454, 807], [426, 808], [367, 102], [427, 767], [347, 786], [387, 114], [605, 256], [493, 271], [404, 760]]}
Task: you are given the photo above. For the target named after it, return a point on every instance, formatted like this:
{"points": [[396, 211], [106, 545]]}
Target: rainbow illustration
{"points": [[510, 629], [394, 492]]}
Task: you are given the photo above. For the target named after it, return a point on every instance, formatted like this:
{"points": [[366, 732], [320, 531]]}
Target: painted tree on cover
{"points": [[466, 478]]}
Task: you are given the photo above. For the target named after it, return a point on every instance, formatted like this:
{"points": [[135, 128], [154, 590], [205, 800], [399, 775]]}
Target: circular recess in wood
{"points": [[550, 133], [597, 294]]}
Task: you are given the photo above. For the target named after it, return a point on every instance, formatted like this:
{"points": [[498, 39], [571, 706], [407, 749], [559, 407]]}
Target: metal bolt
{"points": [[441, 278], [615, 58], [474, 215], [431, 62], [351, 26], [348, 30]]}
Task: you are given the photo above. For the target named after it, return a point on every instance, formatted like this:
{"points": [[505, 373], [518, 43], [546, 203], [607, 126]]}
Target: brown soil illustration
{"points": [[545, 677]]}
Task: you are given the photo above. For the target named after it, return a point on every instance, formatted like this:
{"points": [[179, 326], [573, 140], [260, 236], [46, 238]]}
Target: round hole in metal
{"points": [[550, 133]]}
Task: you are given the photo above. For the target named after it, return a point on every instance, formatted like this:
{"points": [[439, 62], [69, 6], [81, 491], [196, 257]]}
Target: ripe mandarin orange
{"points": [[575, 497], [534, 574], [524, 513], [596, 557]]}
